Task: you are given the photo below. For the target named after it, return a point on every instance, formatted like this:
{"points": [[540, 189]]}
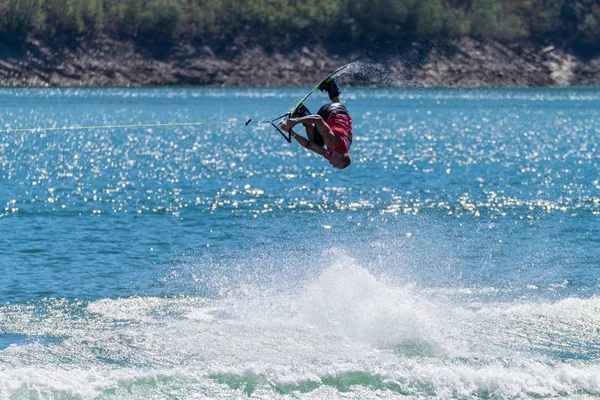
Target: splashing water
{"points": [[344, 330]]}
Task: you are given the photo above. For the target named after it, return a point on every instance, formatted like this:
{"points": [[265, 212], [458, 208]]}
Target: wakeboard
{"points": [[276, 122], [298, 104]]}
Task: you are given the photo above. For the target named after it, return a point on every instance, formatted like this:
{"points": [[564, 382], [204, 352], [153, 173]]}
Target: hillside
{"points": [[291, 42]]}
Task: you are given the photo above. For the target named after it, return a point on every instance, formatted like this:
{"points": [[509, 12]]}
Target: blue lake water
{"points": [[458, 256]]}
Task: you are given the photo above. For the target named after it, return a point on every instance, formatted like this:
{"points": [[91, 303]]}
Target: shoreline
{"points": [[307, 86], [462, 63]]}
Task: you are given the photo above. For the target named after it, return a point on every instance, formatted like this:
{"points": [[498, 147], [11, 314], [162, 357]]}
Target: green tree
{"points": [[160, 18], [93, 15], [431, 18], [268, 22], [488, 18], [382, 19], [583, 17], [130, 13], [21, 16], [64, 16]]}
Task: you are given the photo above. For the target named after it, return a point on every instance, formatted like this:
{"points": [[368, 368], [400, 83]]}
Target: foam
{"points": [[422, 378], [344, 332]]}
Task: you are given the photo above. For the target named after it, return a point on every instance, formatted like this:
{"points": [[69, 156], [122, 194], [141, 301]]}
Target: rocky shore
{"points": [[466, 62]]}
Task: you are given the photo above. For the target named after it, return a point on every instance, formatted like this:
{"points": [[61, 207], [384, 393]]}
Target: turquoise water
{"points": [[458, 257]]}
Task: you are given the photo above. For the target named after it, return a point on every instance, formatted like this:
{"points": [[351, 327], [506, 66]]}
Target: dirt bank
{"points": [[461, 63]]}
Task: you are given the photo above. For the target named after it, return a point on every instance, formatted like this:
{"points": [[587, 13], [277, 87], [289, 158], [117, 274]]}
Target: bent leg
{"points": [[311, 131], [314, 135]]}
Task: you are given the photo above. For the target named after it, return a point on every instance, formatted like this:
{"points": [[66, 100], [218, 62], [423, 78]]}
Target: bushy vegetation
{"points": [[350, 21]]}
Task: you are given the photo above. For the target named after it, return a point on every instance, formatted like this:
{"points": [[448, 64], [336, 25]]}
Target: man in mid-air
{"points": [[331, 127]]}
